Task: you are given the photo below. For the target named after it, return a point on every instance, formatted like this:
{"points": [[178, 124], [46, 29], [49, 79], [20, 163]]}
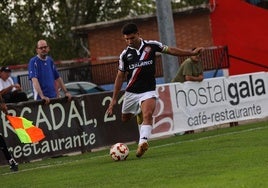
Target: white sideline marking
{"points": [[160, 146], [208, 137]]}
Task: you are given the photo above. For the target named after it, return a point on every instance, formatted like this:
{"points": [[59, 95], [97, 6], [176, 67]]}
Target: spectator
{"points": [[190, 70], [11, 93], [44, 75]]}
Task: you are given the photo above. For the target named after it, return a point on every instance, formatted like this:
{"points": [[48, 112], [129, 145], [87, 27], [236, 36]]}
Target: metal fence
{"points": [[213, 58], [79, 72]]}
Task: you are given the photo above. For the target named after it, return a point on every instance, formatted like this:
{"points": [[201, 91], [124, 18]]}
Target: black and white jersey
{"points": [[140, 66]]}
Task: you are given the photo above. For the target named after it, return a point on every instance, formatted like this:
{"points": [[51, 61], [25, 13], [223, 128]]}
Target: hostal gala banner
{"points": [[195, 105]]}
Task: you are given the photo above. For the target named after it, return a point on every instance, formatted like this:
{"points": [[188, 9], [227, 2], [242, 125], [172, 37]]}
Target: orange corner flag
{"points": [[25, 130]]}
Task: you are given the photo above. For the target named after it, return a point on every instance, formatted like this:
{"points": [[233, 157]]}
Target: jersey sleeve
{"points": [[32, 69], [159, 47], [121, 61]]}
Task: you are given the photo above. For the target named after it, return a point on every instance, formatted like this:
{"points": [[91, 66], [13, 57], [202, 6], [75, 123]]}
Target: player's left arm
{"points": [[181, 52]]}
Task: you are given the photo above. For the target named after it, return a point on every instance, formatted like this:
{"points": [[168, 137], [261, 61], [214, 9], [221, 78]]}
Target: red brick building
{"points": [[192, 28]]}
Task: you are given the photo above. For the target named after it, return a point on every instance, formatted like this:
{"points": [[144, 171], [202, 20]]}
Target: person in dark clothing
{"points": [[3, 146]]}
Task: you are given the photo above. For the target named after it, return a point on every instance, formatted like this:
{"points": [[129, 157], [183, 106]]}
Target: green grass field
{"points": [[222, 158]]}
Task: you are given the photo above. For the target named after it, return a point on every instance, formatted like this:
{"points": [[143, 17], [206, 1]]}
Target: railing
{"points": [[80, 72], [249, 62], [213, 58]]}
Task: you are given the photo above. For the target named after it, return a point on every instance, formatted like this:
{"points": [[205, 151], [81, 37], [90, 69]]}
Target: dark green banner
{"points": [[79, 125]]}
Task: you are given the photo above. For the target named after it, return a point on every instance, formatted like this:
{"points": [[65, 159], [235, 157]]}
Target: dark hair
{"points": [[129, 28]]}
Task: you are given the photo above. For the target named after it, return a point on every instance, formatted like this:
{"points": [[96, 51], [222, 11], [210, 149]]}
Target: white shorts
{"points": [[132, 101]]}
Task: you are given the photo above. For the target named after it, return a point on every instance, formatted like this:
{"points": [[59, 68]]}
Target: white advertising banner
{"points": [[195, 105]]}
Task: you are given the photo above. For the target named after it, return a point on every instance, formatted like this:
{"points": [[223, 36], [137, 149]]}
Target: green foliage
{"points": [[229, 157], [23, 23]]}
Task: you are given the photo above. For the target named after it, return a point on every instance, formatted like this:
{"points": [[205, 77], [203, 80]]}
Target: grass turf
{"points": [[230, 157]]}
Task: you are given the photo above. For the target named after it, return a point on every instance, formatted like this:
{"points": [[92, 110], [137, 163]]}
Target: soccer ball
{"points": [[119, 152]]}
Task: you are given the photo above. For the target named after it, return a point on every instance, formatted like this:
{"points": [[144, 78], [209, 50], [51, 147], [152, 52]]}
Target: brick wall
{"points": [[191, 30]]}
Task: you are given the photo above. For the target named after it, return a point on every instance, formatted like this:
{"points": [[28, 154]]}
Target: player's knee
{"points": [[148, 117], [148, 114]]}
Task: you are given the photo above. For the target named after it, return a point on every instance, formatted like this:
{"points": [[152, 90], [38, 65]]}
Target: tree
{"points": [[24, 22]]}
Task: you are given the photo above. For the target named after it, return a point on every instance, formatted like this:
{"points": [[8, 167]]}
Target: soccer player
{"points": [[137, 62]]}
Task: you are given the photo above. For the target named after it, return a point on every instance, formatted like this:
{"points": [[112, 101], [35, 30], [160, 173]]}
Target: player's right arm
{"points": [[117, 87]]}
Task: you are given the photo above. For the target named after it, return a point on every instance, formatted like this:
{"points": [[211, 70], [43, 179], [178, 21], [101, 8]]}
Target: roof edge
{"points": [[83, 29]]}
